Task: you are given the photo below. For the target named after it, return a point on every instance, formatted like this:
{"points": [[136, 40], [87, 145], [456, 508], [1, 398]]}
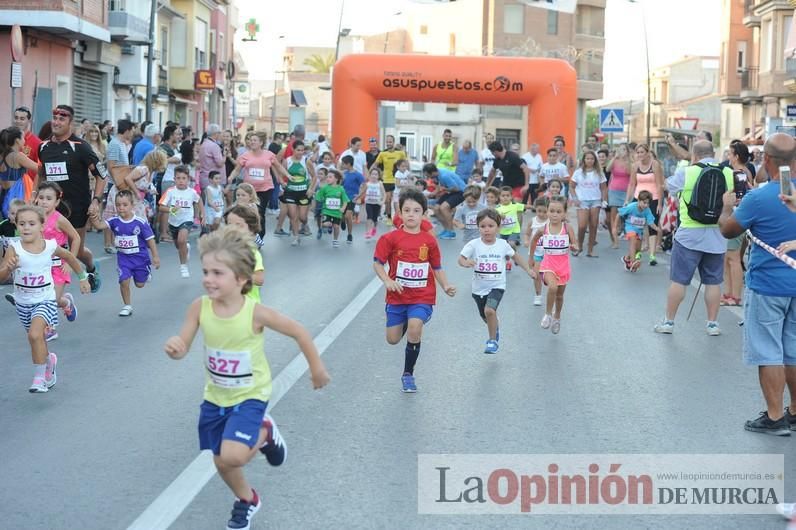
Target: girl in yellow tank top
{"points": [[233, 422]]}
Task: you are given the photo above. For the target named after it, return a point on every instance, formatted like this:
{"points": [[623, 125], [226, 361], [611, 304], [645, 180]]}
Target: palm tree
{"points": [[320, 64]]}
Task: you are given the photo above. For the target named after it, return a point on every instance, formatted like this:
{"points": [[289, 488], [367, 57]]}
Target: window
{"points": [[590, 20], [213, 50], [786, 24], [452, 44], [164, 46], [117, 5], [513, 21], [424, 30], [407, 139], [426, 147], [200, 44], [418, 106], [741, 55], [452, 107], [765, 46], [552, 22]]}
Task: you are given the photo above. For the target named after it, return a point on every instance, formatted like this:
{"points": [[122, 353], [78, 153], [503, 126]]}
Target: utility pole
{"points": [[150, 59]]}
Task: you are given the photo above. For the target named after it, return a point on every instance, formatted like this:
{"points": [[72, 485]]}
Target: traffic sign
{"points": [[791, 111], [612, 120]]}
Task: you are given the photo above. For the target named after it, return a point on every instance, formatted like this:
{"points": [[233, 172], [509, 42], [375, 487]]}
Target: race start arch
{"points": [[547, 86]]}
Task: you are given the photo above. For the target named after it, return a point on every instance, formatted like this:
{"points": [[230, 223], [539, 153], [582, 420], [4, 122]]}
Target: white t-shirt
{"points": [[33, 279], [180, 203], [360, 160], [554, 171], [588, 185], [534, 163], [536, 225], [490, 264], [489, 160]]}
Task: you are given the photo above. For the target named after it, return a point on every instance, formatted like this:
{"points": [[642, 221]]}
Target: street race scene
{"points": [[411, 264]]}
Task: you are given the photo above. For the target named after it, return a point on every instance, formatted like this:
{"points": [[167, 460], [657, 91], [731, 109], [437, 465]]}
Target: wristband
{"points": [[82, 276]]}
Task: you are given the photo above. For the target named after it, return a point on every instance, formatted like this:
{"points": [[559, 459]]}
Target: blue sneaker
{"points": [[242, 513], [274, 449], [71, 310], [94, 279], [491, 346], [408, 382], [319, 235], [447, 234]]}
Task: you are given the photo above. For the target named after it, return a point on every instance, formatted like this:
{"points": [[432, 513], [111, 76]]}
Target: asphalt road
{"points": [[120, 426]]}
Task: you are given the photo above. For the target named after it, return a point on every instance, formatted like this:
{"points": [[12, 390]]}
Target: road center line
{"points": [[168, 506]]}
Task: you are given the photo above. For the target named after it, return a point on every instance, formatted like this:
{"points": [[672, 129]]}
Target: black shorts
{"points": [[389, 187], [488, 300], [330, 219], [373, 211], [175, 230], [349, 207], [454, 199], [295, 197], [78, 212]]}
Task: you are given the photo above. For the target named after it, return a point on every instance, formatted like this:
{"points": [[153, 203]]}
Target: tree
{"points": [[320, 64], [592, 121]]}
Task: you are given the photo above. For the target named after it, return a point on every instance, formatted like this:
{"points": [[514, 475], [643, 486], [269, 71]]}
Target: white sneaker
{"points": [[126, 311], [713, 329], [184, 272], [38, 386], [665, 326], [556, 327], [546, 321], [537, 300]]}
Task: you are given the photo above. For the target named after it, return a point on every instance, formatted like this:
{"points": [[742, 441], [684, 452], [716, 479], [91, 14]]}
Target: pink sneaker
{"points": [[49, 372], [38, 386]]}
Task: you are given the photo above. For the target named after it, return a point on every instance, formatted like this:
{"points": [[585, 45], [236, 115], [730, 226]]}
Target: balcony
{"points": [[750, 20], [163, 82], [128, 28], [67, 19], [749, 82]]}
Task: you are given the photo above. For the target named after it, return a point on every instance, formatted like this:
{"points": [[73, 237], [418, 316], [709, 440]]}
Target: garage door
{"points": [[88, 93]]}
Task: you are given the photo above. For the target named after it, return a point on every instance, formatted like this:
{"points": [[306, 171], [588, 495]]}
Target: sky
{"points": [[675, 28]]}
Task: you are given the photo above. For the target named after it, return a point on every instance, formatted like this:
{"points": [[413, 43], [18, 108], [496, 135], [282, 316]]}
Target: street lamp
{"points": [[341, 32], [647, 52]]}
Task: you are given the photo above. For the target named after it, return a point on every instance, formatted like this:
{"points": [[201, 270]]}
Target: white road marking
{"points": [[168, 506]]}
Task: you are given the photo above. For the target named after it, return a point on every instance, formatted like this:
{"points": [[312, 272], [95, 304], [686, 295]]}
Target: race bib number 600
{"points": [[229, 369], [412, 275]]}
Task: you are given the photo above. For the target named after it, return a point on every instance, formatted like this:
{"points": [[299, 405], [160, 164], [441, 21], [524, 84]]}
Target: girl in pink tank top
{"points": [[58, 227], [557, 238]]}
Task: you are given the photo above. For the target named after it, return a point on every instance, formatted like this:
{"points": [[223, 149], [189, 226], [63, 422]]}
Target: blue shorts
{"points": [[616, 198], [769, 330], [588, 205], [240, 423], [684, 262], [399, 314]]}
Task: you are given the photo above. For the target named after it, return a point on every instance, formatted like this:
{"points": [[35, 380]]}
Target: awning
{"points": [[297, 98], [177, 99]]}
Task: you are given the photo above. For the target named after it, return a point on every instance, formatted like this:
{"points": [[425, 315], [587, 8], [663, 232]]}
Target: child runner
{"points": [[477, 179], [554, 188], [538, 223], [333, 200], [403, 180], [8, 227], [247, 220], [637, 215], [487, 256], [467, 213], [352, 183], [374, 193], [411, 290], [30, 260], [132, 237], [510, 214], [247, 197], [233, 422], [58, 227], [557, 238], [183, 204], [492, 197], [214, 201], [553, 169], [321, 174]]}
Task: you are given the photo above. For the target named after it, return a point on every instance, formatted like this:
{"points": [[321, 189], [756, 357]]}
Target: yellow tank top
{"points": [[235, 365], [445, 157]]}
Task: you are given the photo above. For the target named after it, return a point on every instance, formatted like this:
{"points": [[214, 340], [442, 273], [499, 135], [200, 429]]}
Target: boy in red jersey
{"points": [[411, 290]]}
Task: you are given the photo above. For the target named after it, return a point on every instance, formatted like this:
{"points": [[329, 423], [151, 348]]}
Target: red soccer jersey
{"points": [[412, 260]]}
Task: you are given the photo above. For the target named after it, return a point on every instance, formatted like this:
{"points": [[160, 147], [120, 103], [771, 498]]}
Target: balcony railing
{"points": [[749, 78]]}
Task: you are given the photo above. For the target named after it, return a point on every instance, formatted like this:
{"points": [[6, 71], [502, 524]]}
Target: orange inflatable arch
{"points": [[547, 86]]}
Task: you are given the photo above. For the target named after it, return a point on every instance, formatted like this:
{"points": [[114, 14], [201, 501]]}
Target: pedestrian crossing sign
{"points": [[612, 120]]}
